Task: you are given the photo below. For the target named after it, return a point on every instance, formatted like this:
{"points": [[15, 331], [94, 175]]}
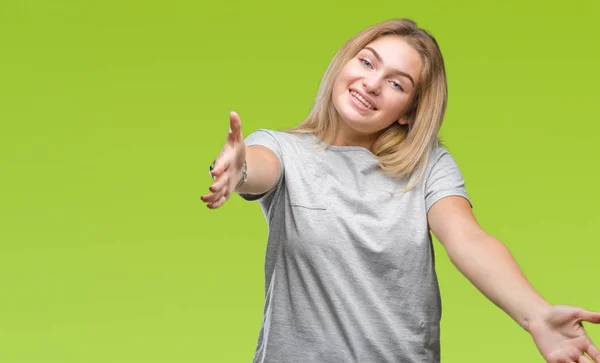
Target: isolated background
{"points": [[112, 111]]}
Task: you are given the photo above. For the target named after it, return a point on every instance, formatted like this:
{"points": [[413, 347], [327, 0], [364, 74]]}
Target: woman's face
{"points": [[376, 87]]}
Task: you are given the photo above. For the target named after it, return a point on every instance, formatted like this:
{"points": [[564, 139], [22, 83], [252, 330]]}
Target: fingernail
{"points": [[230, 130]]}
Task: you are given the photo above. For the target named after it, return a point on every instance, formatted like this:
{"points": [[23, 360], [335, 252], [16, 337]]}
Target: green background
{"points": [[112, 111]]}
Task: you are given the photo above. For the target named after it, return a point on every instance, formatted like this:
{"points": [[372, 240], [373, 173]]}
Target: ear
{"points": [[403, 121]]}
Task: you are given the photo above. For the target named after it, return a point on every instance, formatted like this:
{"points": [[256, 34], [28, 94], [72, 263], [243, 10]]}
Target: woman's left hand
{"points": [[561, 338]]}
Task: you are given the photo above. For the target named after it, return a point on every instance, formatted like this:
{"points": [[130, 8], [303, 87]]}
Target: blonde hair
{"points": [[402, 150]]}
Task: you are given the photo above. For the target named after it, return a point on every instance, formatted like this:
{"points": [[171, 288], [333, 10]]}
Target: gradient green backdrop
{"points": [[111, 112]]}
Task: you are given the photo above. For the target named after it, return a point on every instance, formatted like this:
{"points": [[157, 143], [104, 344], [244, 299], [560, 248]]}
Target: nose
{"points": [[371, 85]]}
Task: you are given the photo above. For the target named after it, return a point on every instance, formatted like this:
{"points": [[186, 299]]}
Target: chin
{"points": [[352, 117], [359, 125]]}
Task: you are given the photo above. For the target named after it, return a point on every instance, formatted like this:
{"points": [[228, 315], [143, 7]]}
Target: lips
{"points": [[364, 100]]}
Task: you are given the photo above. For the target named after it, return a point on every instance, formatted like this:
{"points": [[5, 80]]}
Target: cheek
{"points": [[397, 105], [338, 84], [347, 74], [341, 85], [339, 80]]}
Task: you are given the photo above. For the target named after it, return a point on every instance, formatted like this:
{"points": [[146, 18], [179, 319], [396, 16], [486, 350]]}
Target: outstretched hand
{"points": [[227, 171], [561, 338]]}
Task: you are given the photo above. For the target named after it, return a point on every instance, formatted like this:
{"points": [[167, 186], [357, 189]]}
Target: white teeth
{"points": [[362, 100]]}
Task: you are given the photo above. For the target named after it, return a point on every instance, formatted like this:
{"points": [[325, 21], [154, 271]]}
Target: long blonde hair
{"points": [[402, 150]]}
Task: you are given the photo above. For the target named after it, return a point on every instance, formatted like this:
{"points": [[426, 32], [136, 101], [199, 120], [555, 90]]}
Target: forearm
{"points": [[490, 266], [263, 170]]}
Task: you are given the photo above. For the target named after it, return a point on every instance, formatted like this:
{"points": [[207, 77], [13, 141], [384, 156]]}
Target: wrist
{"points": [[536, 315], [244, 176]]}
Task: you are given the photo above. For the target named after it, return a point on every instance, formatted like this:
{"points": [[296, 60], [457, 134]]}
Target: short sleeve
{"points": [[268, 139], [444, 179]]}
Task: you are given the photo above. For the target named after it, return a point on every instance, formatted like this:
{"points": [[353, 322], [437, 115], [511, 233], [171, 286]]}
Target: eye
{"points": [[365, 62], [396, 85]]}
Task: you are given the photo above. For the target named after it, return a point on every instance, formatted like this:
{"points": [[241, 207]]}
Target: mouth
{"points": [[363, 100]]}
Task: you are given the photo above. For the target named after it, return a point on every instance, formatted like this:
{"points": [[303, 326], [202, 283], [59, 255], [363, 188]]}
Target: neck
{"points": [[348, 137]]}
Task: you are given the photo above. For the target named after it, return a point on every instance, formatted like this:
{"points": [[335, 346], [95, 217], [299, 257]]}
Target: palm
{"points": [[227, 169], [235, 143], [560, 335]]}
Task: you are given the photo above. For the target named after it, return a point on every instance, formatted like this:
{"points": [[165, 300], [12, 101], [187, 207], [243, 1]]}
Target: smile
{"points": [[360, 98]]}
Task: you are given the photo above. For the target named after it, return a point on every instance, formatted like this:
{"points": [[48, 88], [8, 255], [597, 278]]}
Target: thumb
{"points": [[235, 127], [590, 316]]}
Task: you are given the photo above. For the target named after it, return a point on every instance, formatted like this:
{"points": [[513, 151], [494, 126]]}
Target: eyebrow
{"points": [[397, 71]]}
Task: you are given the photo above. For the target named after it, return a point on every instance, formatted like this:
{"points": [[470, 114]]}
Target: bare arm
{"points": [[263, 170], [484, 260], [557, 330], [262, 165]]}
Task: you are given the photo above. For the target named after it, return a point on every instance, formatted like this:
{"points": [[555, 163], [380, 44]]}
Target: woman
{"points": [[351, 195]]}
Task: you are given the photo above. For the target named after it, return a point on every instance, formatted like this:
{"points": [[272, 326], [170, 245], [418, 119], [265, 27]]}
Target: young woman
{"points": [[351, 195]]}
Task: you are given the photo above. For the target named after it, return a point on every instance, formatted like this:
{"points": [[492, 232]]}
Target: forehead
{"points": [[397, 54]]}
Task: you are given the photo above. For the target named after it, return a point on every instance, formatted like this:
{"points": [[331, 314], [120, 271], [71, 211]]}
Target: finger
{"points": [[214, 196], [569, 354], [235, 128], [582, 343], [221, 164], [560, 357], [219, 184], [209, 198], [575, 354], [584, 359], [218, 203], [593, 352], [589, 316]]}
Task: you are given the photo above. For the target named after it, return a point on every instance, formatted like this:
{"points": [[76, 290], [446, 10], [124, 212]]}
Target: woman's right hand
{"points": [[227, 171]]}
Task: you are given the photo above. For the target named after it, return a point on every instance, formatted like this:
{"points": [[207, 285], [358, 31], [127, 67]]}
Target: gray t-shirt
{"points": [[349, 268]]}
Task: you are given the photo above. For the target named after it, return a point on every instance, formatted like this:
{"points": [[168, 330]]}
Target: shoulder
{"points": [[439, 156], [442, 167], [287, 135], [283, 139], [438, 153]]}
